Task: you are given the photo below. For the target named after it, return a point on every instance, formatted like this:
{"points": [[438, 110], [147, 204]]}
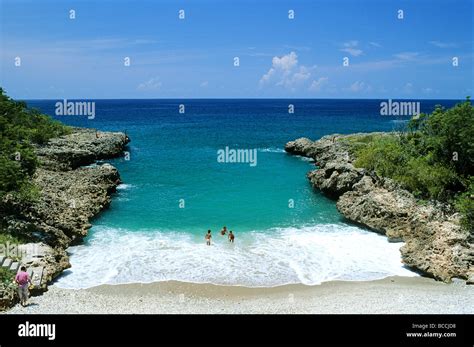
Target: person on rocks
{"points": [[22, 279], [208, 238]]}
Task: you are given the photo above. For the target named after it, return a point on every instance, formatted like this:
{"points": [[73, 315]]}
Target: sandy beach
{"points": [[392, 295]]}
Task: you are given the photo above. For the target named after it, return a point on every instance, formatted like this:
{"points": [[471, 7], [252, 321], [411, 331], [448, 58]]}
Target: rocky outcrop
{"points": [[336, 174], [81, 148], [73, 188], [70, 195], [8, 296], [68, 200], [380, 205], [435, 244]]}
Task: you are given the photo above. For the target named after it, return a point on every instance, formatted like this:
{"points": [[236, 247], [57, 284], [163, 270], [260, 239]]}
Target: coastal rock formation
{"points": [[73, 188], [380, 205], [435, 244], [68, 200], [8, 297], [43, 262], [81, 148], [336, 174]]}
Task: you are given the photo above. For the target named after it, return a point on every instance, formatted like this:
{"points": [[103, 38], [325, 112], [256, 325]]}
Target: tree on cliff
{"points": [[20, 129]]}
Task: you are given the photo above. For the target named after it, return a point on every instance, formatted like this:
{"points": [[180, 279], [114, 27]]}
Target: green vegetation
{"points": [[20, 129], [7, 238], [6, 276], [433, 158], [9, 243], [465, 204]]}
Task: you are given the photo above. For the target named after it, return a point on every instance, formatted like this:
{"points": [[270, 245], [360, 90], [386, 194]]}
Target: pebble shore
{"points": [[393, 295]]}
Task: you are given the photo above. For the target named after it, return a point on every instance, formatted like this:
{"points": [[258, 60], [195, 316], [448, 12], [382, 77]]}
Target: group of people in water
{"points": [[230, 236]]}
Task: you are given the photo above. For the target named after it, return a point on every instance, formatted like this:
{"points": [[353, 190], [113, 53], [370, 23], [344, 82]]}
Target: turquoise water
{"points": [[175, 189]]}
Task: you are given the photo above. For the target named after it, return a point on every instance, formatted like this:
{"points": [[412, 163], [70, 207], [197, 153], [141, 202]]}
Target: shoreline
{"points": [[309, 255], [424, 295], [391, 295]]}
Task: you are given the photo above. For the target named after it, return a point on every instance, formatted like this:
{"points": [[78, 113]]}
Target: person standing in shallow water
{"points": [[224, 230], [231, 236], [208, 238]]}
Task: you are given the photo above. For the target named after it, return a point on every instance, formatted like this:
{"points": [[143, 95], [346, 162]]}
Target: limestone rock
{"points": [[435, 244], [40, 255], [80, 148], [73, 189]]}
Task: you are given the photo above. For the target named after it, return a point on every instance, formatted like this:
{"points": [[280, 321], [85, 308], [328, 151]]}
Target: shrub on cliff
{"points": [[21, 128], [434, 158], [384, 155], [447, 136], [465, 204], [6, 276]]}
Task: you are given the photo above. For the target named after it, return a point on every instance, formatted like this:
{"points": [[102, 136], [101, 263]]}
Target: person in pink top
{"points": [[23, 279]]}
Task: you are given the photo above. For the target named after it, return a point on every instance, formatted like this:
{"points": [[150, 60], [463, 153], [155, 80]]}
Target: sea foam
{"points": [[124, 186], [271, 150], [308, 255]]}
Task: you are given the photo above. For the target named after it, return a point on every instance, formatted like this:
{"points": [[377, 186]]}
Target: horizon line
{"points": [[247, 98]]}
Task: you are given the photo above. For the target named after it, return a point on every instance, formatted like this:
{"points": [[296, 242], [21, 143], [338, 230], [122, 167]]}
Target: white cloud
{"points": [[260, 54], [406, 55], [286, 63], [352, 51], [286, 72], [375, 44], [351, 47], [152, 84], [359, 87], [204, 84], [316, 85], [268, 76], [297, 48], [143, 42], [408, 87], [351, 43], [440, 44]]}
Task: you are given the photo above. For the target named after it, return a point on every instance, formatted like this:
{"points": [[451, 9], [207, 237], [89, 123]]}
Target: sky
{"points": [[279, 57]]}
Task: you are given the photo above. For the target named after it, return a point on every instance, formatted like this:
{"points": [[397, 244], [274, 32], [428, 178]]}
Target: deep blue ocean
{"points": [[174, 189]]}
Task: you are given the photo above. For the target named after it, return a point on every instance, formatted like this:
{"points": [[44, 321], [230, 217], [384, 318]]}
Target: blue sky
{"points": [[279, 57]]}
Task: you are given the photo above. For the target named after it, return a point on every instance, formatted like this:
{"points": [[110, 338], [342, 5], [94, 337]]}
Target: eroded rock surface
{"points": [[435, 244]]}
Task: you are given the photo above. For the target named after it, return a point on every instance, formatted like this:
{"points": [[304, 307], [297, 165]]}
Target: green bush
{"points": [[434, 158], [20, 129], [428, 180], [7, 238], [445, 132], [358, 142], [465, 204], [384, 155], [6, 276]]}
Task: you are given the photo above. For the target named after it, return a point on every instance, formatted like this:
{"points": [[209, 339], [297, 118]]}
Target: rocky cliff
{"points": [[435, 244], [73, 188]]}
